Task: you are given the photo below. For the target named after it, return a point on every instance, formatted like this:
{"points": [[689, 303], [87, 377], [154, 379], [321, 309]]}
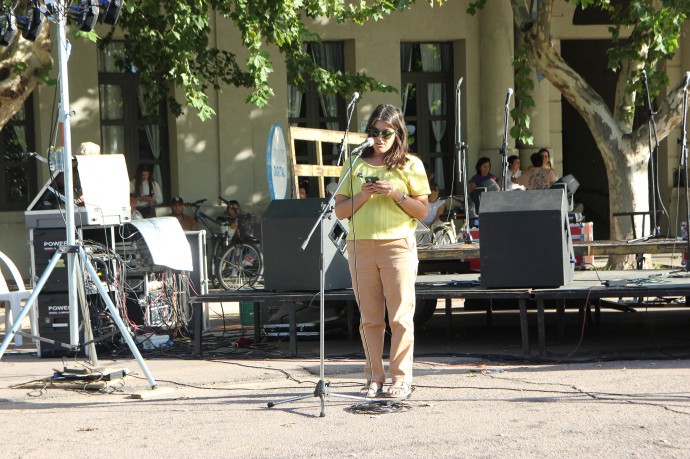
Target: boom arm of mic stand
{"points": [[343, 143], [329, 205]]}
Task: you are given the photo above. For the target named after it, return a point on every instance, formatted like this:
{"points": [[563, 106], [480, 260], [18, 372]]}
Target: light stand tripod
{"points": [[73, 251], [504, 146], [322, 390]]}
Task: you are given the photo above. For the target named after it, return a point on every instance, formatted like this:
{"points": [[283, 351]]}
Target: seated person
{"points": [[187, 222], [134, 213], [232, 214], [546, 156], [514, 172], [331, 187], [303, 191], [436, 206], [146, 190], [483, 168], [537, 177]]}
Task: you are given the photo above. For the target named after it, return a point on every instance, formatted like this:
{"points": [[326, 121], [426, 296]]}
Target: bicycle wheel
{"points": [[221, 243], [442, 236], [240, 266]]}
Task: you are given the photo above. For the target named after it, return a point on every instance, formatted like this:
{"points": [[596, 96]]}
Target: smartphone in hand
{"points": [[371, 179]]}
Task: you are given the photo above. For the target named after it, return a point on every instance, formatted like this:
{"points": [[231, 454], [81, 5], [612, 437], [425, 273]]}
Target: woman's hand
{"points": [[383, 187], [368, 188]]}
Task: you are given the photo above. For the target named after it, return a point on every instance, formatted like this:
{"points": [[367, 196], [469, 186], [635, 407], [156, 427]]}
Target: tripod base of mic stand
{"points": [[321, 391]]}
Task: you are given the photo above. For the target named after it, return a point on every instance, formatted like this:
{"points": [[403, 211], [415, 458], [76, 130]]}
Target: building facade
{"points": [[422, 52]]}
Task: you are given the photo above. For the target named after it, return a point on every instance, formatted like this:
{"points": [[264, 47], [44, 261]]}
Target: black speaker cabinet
{"points": [[285, 226], [525, 240]]}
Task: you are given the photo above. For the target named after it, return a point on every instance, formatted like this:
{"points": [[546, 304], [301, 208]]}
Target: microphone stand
{"points": [[343, 143], [461, 149], [653, 159], [504, 146], [322, 390]]}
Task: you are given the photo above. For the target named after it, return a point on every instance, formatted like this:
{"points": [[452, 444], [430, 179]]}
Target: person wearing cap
{"points": [[187, 222]]}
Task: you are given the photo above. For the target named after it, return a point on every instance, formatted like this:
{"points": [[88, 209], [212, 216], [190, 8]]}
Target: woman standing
{"points": [[385, 192]]}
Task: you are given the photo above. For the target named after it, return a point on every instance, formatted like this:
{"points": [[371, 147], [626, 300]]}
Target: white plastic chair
{"points": [[13, 300]]}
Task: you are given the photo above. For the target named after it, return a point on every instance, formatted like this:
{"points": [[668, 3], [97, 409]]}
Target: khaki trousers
{"points": [[383, 277]]}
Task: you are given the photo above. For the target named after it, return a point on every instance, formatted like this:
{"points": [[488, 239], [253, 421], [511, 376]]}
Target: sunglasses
{"points": [[386, 133]]}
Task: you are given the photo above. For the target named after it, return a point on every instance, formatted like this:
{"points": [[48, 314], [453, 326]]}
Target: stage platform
{"points": [[463, 251], [584, 292]]}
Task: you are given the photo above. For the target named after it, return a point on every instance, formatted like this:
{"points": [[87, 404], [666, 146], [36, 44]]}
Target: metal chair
{"points": [[13, 300]]}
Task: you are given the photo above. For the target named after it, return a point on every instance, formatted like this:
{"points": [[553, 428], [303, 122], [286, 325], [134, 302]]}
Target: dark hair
{"points": [[536, 159], [480, 162], [433, 186], [234, 205], [544, 150], [512, 159], [137, 179], [396, 157]]}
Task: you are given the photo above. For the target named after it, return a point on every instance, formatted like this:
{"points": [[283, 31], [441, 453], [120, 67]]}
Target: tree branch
{"points": [[588, 103]]}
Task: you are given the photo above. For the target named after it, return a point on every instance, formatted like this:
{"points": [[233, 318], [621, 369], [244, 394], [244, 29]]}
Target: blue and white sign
{"points": [[277, 163]]}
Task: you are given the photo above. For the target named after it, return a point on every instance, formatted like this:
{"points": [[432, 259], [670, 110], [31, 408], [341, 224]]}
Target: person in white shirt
{"points": [[436, 206], [146, 190], [514, 172]]}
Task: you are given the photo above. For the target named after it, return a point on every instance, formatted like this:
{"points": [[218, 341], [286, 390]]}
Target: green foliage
{"points": [[656, 29], [90, 36], [523, 96], [475, 7], [167, 42]]}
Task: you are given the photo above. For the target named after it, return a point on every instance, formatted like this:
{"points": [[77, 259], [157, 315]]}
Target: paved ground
{"points": [[619, 390]]}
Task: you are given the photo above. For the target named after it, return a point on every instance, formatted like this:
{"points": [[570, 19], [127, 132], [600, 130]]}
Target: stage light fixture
{"points": [[85, 14], [8, 28], [110, 11], [32, 22], [569, 184]]}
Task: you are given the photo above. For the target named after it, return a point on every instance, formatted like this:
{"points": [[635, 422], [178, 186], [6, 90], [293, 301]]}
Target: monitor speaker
{"points": [[525, 240], [285, 226]]}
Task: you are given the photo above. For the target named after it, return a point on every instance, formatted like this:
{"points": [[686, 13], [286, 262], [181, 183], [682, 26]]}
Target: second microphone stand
{"points": [[461, 149]]}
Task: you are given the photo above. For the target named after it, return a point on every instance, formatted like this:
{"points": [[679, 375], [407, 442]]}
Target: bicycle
{"points": [[234, 263], [446, 233], [242, 263]]}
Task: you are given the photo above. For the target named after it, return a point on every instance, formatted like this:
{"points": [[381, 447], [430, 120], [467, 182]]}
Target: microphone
{"points": [[459, 83], [687, 81], [367, 143], [353, 99], [508, 95]]}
